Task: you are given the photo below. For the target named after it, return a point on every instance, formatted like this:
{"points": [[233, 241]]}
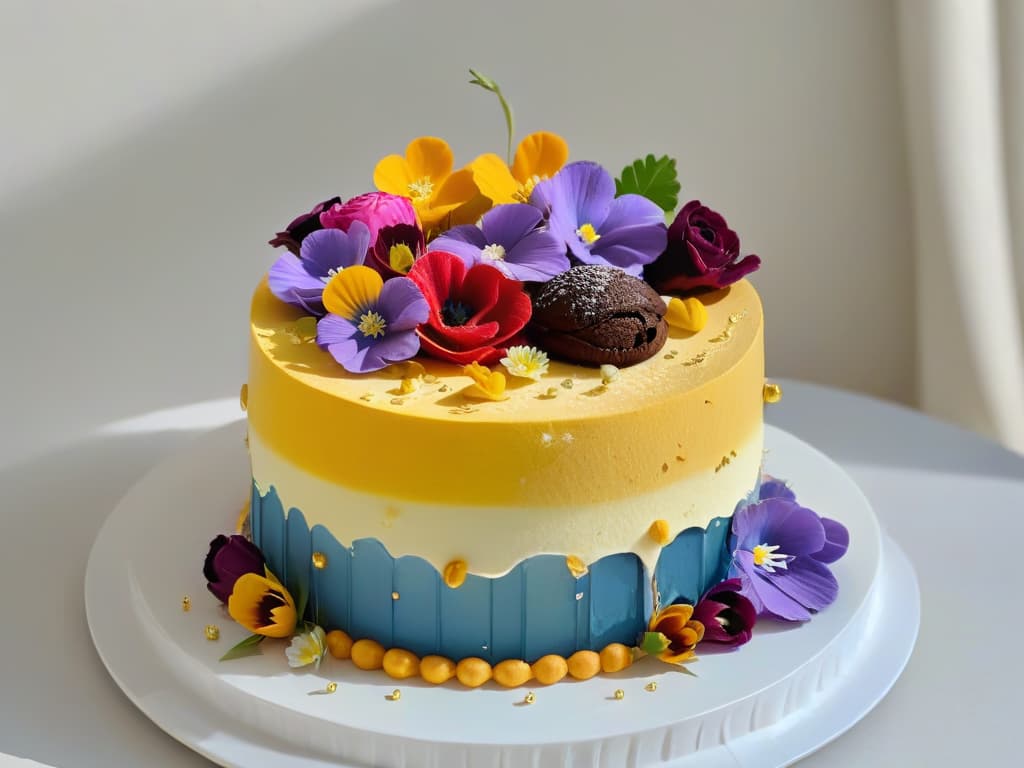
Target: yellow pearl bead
{"points": [[212, 632], [772, 393], [394, 595], [619, 693], [651, 686], [186, 603], [331, 687], [319, 560], [395, 695], [530, 698]]}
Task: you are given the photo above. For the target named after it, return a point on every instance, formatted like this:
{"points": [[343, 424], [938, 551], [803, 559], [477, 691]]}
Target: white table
{"points": [[953, 501]]}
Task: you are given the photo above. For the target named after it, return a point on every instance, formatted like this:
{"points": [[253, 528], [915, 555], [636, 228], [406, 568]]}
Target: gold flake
{"points": [[664, 467], [429, 378], [530, 698], [443, 388], [366, 397], [576, 566], [566, 384], [397, 401], [772, 392], [331, 687], [212, 632], [619, 694], [651, 686], [319, 560], [409, 385], [186, 603], [394, 595], [395, 695]]}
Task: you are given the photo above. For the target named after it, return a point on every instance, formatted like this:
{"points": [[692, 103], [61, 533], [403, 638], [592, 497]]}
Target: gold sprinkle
{"points": [[186, 603], [566, 384], [331, 687], [651, 686], [443, 388], [668, 357], [680, 458], [430, 378], [394, 595], [455, 573], [733, 454], [734, 318], [243, 397], [366, 397], [664, 467], [659, 532], [551, 392], [576, 566], [619, 694], [212, 632], [396, 401], [409, 386], [723, 463], [772, 393], [395, 695], [530, 698], [708, 402], [319, 560]]}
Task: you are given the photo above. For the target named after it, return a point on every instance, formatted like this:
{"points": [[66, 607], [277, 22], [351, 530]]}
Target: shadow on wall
{"points": [[129, 273]]}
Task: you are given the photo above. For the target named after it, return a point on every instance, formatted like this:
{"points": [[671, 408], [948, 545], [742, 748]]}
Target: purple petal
{"points": [[796, 530], [807, 581], [333, 330], [837, 541], [538, 257], [508, 224], [332, 249], [764, 594], [629, 248], [580, 193], [393, 348], [735, 272], [632, 211], [772, 488], [402, 305], [291, 283], [463, 244]]}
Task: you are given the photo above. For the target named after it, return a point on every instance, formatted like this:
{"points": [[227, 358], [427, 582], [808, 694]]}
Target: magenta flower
{"points": [[370, 324], [728, 617], [301, 226], [702, 252], [598, 228], [374, 209], [300, 280], [510, 237], [229, 558], [780, 555]]}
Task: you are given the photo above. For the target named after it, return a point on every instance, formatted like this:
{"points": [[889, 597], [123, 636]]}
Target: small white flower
{"points": [[526, 362], [307, 648]]}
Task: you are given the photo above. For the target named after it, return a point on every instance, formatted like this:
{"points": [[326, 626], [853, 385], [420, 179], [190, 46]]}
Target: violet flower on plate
{"points": [[511, 238], [780, 555], [596, 226], [371, 323], [300, 280]]}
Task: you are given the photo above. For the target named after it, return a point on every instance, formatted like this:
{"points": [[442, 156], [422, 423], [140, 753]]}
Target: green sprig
{"points": [[489, 85], [246, 647], [654, 178]]}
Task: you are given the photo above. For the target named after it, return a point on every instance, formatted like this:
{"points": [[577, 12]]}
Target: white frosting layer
{"points": [[492, 540]]}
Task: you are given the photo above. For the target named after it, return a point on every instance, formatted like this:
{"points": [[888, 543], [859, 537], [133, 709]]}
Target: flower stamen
{"points": [[421, 189], [371, 324], [769, 558], [494, 252], [588, 234]]}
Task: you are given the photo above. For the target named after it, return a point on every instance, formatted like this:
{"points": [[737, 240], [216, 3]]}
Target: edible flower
{"points": [[673, 634], [598, 228], [301, 226], [370, 324], [229, 558], [307, 648], [300, 280], [491, 384], [395, 250], [473, 311], [702, 252], [728, 617], [510, 238], [374, 209], [525, 362], [424, 175], [262, 605], [539, 156], [780, 555]]}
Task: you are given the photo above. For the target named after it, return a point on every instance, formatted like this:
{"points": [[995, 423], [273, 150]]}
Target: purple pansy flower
{"points": [[371, 323], [510, 239], [728, 617], [598, 228], [780, 551], [229, 558], [301, 226], [300, 280]]}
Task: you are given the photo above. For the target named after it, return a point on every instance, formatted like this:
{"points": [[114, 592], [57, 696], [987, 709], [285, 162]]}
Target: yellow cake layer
{"points": [[565, 440]]}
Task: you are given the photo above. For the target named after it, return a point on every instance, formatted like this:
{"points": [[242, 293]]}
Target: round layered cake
{"points": [[416, 511]]}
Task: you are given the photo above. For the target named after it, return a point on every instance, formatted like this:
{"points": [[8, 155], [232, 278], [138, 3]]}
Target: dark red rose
{"points": [[474, 311], [229, 558], [728, 617], [702, 252], [301, 226]]}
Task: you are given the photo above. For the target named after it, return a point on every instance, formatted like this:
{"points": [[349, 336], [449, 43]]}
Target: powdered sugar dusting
{"points": [[581, 288]]}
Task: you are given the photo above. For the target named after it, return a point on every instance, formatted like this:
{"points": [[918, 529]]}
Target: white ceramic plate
{"points": [[786, 693]]}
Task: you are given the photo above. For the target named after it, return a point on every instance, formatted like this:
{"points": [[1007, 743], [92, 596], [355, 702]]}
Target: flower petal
{"points": [[493, 179], [537, 257], [350, 291], [333, 249], [540, 154], [580, 193], [630, 248], [393, 175], [771, 488], [796, 530], [402, 304], [837, 541], [809, 582], [291, 282], [764, 593], [430, 157], [508, 224], [633, 211]]}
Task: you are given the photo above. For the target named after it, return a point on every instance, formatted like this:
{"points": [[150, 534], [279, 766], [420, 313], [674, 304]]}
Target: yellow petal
{"points": [[470, 211], [243, 605], [429, 157], [490, 384], [539, 154], [494, 179], [687, 314], [393, 175], [352, 290], [457, 189]]}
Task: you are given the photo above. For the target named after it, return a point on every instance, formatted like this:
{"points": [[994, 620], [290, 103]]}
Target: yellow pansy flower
{"points": [[424, 174], [262, 605], [539, 156]]}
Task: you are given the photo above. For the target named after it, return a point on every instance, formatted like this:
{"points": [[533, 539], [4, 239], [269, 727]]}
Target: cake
{"points": [[500, 420]]}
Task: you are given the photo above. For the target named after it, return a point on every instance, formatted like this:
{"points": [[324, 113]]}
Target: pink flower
{"points": [[375, 209]]}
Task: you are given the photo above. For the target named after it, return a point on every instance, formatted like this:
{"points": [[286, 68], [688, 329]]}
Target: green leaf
{"points": [[301, 599], [654, 178], [489, 85], [246, 647]]}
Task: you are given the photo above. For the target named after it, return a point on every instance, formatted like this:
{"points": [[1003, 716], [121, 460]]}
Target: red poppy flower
{"points": [[474, 311]]}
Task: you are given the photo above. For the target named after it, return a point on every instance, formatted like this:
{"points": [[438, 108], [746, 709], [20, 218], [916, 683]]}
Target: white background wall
{"points": [[148, 151]]}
